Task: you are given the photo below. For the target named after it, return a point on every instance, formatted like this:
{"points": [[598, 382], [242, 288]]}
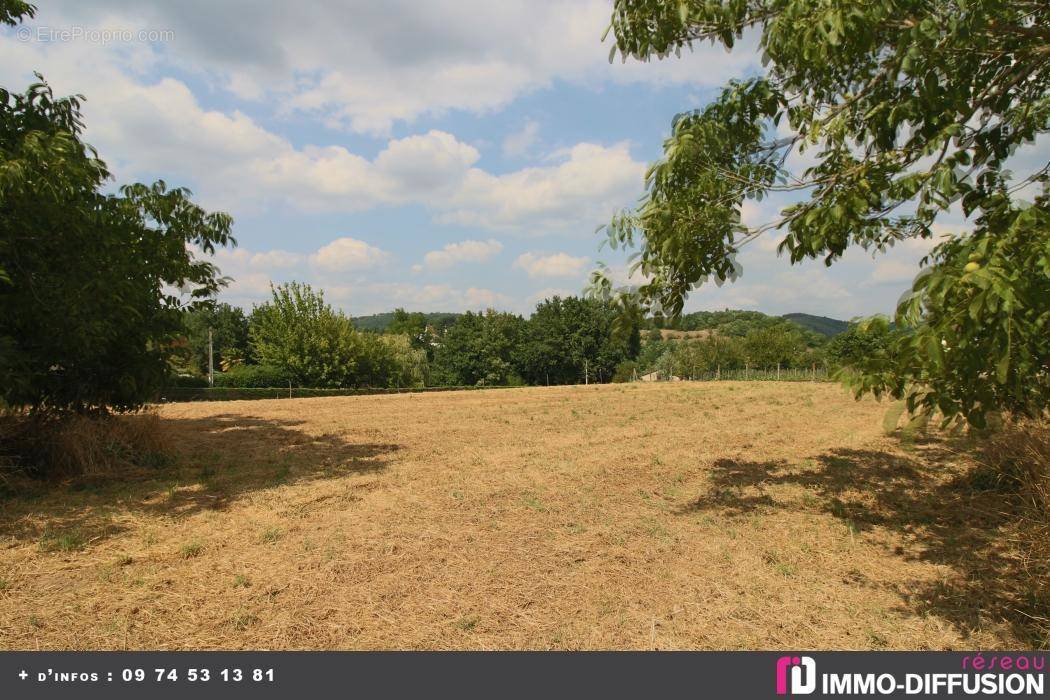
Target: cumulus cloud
{"points": [[379, 62], [464, 251], [346, 253], [556, 265], [150, 129], [585, 188]]}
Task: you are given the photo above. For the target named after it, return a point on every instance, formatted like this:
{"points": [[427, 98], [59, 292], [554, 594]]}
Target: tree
{"points": [[416, 327], [859, 344], [13, 11], [773, 347], [300, 333], [909, 108], [479, 348], [86, 323], [229, 330], [572, 339]]}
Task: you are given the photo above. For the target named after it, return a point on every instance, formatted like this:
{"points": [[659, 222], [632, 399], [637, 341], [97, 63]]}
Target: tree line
{"points": [[297, 338]]}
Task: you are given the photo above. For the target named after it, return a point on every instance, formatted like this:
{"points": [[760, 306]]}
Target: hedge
{"points": [[188, 381], [252, 377], [177, 394]]}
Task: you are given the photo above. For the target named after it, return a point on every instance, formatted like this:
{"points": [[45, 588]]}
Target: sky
{"points": [[438, 156]]}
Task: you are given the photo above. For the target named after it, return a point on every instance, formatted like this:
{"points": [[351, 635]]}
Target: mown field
{"points": [[667, 516]]}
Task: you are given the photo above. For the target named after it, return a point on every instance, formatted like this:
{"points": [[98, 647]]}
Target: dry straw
{"points": [[686, 515]]}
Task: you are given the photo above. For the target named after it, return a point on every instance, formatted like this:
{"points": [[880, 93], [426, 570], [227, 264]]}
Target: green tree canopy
{"points": [[479, 348], [571, 339], [908, 107], [773, 347], [229, 327], [299, 332], [88, 315]]}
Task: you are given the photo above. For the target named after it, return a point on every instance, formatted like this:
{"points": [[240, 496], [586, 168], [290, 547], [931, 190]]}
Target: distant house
{"points": [[657, 377]]}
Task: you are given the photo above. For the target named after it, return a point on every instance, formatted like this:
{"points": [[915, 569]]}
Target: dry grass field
{"points": [[666, 516]]}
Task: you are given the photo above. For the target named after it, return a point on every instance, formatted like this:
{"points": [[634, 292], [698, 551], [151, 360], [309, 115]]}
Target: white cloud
{"points": [[557, 265], [382, 296], [377, 62], [519, 142], [464, 251], [583, 190], [278, 259], [348, 254], [232, 163]]}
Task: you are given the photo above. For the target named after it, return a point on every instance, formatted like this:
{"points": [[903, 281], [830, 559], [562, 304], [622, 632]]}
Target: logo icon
{"points": [[803, 673]]}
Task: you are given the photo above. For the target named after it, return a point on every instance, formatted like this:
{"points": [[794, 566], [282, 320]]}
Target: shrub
{"points": [[252, 377], [625, 371]]}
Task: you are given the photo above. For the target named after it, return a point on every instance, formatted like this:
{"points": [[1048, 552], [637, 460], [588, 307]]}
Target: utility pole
{"points": [[211, 361], [586, 376]]}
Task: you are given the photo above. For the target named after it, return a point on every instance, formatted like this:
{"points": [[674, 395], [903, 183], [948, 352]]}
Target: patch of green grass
{"points": [[244, 619], [70, 541], [4, 584], [467, 623], [534, 503], [241, 581], [35, 621], [655, 529], [271, 535], [877, 641], [191, 550], [125, 560]]}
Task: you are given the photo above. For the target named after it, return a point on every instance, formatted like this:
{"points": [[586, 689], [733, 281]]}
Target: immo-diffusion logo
{"points": [[802, 671]]}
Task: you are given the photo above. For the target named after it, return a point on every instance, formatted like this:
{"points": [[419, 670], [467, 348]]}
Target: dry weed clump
{"points": [[1017, 460], [84, 445]]}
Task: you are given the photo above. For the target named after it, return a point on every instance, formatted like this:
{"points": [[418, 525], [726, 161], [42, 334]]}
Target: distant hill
{"points": [[818, 324], [377, 323]]}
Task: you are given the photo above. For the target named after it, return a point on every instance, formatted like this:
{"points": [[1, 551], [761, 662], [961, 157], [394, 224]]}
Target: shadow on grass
{"points": [[932, 501], [216, 461]]}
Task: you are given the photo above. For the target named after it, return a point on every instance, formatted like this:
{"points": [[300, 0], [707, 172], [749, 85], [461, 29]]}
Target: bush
{"points": [[252, 377], [625, 371]]}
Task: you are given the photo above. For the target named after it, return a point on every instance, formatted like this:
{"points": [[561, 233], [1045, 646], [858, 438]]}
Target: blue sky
{"points": [[436, 156]]}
